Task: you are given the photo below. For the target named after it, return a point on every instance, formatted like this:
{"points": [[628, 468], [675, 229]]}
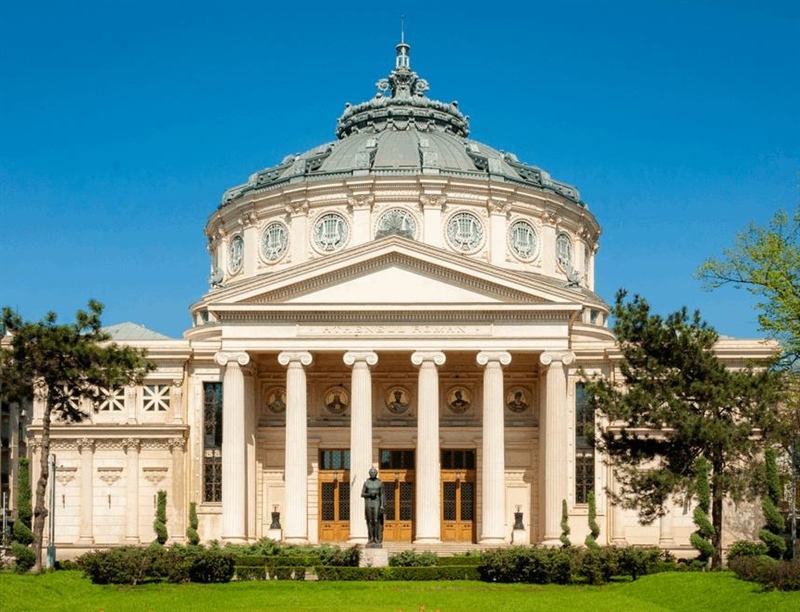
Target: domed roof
{"points": [[402, 132]]}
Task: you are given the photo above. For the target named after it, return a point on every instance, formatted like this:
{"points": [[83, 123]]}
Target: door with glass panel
{"points": [[334, 495], [397, 475], [458, 495]]}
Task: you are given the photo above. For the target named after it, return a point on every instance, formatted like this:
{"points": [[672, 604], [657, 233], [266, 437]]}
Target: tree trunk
{"points": [[40, 510], [716, 517]]}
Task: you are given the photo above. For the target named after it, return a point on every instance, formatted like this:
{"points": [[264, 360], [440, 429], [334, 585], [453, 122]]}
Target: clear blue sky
{"points": [[121, 124]]}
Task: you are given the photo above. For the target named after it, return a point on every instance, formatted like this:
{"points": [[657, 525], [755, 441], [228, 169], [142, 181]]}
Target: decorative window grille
{"points": [[235, 254], [465, 232], [274, 241], [584, 453], [564, 252], [522, 240], [156, 398], [330, 232], [112, 400], [212, 442]]}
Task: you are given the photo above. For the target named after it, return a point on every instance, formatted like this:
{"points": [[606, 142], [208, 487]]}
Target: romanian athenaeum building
{"points": [[404, 298]]}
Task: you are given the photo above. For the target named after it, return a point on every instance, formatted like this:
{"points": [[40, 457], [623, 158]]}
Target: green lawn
{"points": [[679, 592]]}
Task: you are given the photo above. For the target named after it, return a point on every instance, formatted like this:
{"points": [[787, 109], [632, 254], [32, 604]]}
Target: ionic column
{"points": [[494, 466], [234, 465], [295, 517], [553, 423], [360, 438], [432, 206], [361, 204], [131, 447], [86, 449], [428, 525]]}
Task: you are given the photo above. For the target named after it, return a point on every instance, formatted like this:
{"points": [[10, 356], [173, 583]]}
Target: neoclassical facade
{"points": [[403, 298]]}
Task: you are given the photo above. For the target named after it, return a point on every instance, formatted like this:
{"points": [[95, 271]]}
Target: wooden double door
{"points": [[457, 491]]}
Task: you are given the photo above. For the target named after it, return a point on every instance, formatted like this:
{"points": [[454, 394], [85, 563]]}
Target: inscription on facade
{"points": [[395, 330]]}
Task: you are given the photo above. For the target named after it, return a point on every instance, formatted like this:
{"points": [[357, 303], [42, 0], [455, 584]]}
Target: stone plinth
{"points": [[374, 557]]}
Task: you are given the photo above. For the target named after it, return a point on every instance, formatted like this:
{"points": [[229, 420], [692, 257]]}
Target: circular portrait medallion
{"points": [[276, 400], [397, 400], [517, 400], [458, 400], [336, 400]]}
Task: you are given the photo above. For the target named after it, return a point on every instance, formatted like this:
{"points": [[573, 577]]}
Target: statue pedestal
{"points": [[374, 557], [519, 537]]}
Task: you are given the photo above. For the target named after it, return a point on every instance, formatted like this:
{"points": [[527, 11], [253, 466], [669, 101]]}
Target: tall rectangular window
{"points": [[212, 442], [584, 452]]}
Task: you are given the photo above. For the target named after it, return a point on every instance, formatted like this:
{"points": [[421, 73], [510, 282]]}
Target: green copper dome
{"points": [[401, 131]]}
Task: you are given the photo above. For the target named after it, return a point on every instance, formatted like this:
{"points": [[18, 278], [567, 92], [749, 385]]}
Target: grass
{"points": [[679, 592]]}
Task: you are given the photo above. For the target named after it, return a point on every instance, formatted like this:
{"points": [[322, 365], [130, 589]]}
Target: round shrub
{"points": [[24, 557]]}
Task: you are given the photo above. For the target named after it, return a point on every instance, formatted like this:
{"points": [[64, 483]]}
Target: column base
{"points": [[552, 542], [422, 541], [85, 541], [491, 541], [132, 541], [234, 539], [295, 540], [358, 540]]}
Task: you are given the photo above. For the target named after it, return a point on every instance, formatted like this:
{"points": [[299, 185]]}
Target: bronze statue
{"points": [[372, 492]]}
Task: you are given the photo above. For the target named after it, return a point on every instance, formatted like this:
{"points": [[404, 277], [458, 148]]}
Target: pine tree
{"points": [[676, 401], [66, 363], [772, 533]]}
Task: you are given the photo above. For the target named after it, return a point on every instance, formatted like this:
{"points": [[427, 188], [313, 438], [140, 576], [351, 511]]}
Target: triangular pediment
{"points": [[400, 272]]}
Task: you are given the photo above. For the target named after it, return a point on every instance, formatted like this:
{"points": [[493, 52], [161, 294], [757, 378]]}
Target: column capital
{"points": [[484, 357], [419, 357], [351, 357], [565, 357], [224, 357], [288, 357]]}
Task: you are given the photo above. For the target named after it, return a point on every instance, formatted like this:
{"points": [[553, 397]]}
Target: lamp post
{"points": [[51, 546]]}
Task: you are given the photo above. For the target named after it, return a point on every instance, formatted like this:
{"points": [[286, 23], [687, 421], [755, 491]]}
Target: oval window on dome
{"points": [[235, 254], [465, 232], [330, 232], [397, 222], [564, 251], [522, 240], [274, 241]]}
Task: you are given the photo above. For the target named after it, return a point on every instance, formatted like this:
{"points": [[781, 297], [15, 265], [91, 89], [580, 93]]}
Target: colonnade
{"points": [[553, 458]]}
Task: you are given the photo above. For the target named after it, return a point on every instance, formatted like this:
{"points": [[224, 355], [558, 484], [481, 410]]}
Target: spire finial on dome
{"points": [[402, 61]]}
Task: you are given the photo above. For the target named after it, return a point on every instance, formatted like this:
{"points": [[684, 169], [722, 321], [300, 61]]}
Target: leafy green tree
{"points": [[773, 532], [62, 364], [676, 401], [766, 262], [594, 528], [701, 539]]}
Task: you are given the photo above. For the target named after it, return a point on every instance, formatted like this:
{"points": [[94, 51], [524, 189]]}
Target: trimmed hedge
{"points": [[768, 572]]}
